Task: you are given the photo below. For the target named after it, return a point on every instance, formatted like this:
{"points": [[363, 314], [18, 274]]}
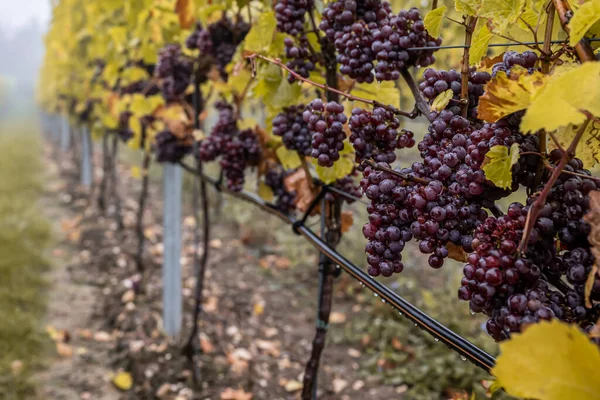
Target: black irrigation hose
{"points": [[440, 332]]}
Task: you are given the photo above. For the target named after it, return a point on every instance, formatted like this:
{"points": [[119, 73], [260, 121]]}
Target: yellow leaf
{"points": [[433, 21], [136, 172], [123, 380], [261, 34], [468, 7], [583, 19], [501, 13], [289, 159], [247, 123], [265, 191], [549, 361], [562, 99], [480, 42], [385, 92], [339, 170], [442, 100], [505, 95], [588, 148], [498, 165], [259, 308]]}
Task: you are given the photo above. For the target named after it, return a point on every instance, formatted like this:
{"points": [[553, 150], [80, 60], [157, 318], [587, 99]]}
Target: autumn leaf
{"points": [[261, 34], [298, 182], [289, 159], [561, 101], [456, 252], [239, 394], [479, 44], [122, 380], [583, 19], [501, 13], [468, 7], [185, 11], [265, 192], [498, 165], [549, 361], [588, 148], [441, 100], [505, 95], [592, 217], [176, 120], [433, 21], [347, 220]]}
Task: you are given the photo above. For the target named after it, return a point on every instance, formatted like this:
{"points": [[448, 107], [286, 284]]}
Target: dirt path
{"points": [[81, 370], [258, 314]]}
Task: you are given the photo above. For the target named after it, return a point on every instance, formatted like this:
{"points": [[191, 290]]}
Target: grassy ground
{"points": [[24, 238]]}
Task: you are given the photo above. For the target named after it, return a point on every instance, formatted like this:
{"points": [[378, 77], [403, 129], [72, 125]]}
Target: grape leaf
{"points": [[289, 159], [498, 165], [442, 100], [185, 10], [583, 19], [505, 95], [560, 101], [265, 192], [592, 217], [588, 148], [480, 42], [261, 34], [549, 361], [383, 92], [340, 169], [501, 13], [469, 7], [433, 21]]}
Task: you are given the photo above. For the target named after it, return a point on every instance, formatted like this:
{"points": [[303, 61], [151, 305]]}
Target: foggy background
{"points": [[23, 25]]}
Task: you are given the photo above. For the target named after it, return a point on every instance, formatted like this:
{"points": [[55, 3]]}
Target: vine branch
{"points": [[464, 88], [583, 48]]}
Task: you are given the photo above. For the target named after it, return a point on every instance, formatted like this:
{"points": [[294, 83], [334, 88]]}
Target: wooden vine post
{"points": [[331, 231], [172, 300]]}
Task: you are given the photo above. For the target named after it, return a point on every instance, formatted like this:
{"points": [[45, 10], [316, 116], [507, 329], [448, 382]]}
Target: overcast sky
{"points": [[16, 13]]}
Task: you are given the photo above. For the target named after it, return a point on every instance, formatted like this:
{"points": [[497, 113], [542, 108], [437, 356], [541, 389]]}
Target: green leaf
{"points": [[261, 34], [433, 21], [561, 100], [384, 92], [442, 100], [340, 169], [502, 13], [289, 159], [498, 165], [468, 7], [549, 361], [583, 19], [588, 148], [480, 42]]}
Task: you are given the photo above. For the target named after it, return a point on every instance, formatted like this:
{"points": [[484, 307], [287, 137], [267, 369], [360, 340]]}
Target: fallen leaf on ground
{"points": [[259, 308], [239, 394], [216, 243], [339, 385], [205, 344], [337, 317], [211, 304], [102, 336], [64, 350], [292, 386], [122, 380]]}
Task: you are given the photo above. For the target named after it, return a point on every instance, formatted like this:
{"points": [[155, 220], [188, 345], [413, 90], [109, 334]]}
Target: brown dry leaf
{"points": [[69, 224], [216, 243], [238, 359], [271, 348], [58, 253], [211, 304], [337, 318], [16, 366], [347, 220], [339, 385], [456, 253], [239, 394], [102, 336], [292, 385], [64, 350], [397, 344], [589, 285], [205, 344], [74, 236], [85, 333], [185, 11], [297, 182], [259, 308], [176, 120]]}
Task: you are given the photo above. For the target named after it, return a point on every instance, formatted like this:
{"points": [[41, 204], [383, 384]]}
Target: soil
{"points": [[257, 321]]}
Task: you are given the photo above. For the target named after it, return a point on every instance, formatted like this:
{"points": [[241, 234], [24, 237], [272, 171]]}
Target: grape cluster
{"points": [[368, 36], [346, 185], [219, 41], [274, 178], [175, 71], [293, 130], [511, 58], [291, 14], [513, 289], [301, 60], [375, 135], [326, 123], [438, 81], [170, 148], [237, 149]]}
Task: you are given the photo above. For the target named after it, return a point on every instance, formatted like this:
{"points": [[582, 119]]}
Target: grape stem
{"points": [[583, 48], [420, 103], [410, 178], [541, 200], [464, 88], [413, 114]]}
